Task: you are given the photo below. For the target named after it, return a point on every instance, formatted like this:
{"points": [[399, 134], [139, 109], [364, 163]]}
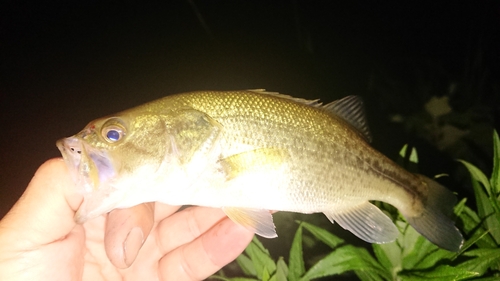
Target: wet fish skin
{"points": [[249, 152]]}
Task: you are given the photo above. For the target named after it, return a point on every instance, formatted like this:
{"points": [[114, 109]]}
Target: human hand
{"points": [[39, 239]]}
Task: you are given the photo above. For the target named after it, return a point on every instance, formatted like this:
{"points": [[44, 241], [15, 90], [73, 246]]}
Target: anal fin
{"points": [[366, 221], [257, 220]]}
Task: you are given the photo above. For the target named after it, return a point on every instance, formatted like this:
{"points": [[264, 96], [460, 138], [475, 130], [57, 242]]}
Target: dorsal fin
{"points": [[314, 103], [351, 109]]}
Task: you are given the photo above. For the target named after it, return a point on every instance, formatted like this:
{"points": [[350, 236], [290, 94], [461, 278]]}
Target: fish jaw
{"points": [[92, 173], [71, 149]]}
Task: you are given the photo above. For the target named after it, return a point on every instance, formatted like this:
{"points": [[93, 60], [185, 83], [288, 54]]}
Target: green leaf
{"points": [[472, 222], [344, 259], [477, 175], [422, 250], [296, 260], [367, 276], [485, 258], [260, 257], [241, 279], [414, 246], [281, 270], [402, 152], [408, 159], [459, 208], [487, 211], [218, 277], [478, 235], [495, 176], [470, 219], [441, 273], [434, 257], [323, 235], [232, 279], [409, 238], [414, 156], [494, 278], [246, 265], [265, 275], [389, 256]]}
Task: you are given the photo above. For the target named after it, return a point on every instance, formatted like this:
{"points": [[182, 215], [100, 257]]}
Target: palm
{"points": [[171, 250], [39, 239]]}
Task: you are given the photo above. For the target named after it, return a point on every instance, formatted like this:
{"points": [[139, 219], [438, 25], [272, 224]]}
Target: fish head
{"points": [[106, 158]]}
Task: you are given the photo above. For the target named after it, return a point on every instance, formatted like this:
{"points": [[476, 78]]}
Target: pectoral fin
{"points": [[256, 220], [261, 159], [365, 221]]}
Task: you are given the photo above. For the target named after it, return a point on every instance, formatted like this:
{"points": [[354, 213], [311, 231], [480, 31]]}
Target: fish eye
{"points": [[113, 130], [113, 135]]}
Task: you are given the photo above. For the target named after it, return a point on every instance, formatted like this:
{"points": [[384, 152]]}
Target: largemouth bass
{"points": [[249, 152]]}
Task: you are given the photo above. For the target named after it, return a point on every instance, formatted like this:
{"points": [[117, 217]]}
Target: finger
{"points": [[162, 211], [185, 226], [207, 254], [50, 194], [125, 233]]}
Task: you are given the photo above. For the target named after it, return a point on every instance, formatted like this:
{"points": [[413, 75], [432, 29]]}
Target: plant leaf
{"points": [[216, 277], [477, 236], [281, 270], [389, 256], [477, 175], [246, 265], [485, 258], [323, 235], [260, 257], [495, 175], [434, 257], [441, 273], [265, 274], [494, 278], [472, 222], [487, 211], [296, 260], [242, 279], [344, 259], [459, 208], [367, 276], [414, 246]]}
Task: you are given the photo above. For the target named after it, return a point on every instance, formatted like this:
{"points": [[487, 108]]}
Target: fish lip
{"points": [[77, 154], [70, 149]]}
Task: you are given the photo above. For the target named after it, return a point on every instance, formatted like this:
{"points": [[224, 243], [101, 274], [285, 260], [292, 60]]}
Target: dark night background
{"points": [[64, 63]]}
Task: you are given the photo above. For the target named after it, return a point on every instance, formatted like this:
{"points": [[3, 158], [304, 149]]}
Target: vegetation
{"points": [[410, 257]]}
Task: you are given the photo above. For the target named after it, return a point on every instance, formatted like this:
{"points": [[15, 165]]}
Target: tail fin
{"points": [[434, 223]]}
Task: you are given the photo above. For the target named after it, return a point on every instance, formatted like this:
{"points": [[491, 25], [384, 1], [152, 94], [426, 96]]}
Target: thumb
{"points": [[45, 211]]}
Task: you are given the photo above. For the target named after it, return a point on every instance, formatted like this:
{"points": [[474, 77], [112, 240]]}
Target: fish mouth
{"points": [[92, 171]]}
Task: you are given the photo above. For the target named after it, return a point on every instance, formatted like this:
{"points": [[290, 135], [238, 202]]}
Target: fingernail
{"points": [[132, 245]]}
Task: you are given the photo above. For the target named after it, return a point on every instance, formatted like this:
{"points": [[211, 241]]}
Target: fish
{"points": [[251, 153]]}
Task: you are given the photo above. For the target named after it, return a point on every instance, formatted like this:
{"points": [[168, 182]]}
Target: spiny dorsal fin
{"points": [[351, 109], [315, 103]]}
